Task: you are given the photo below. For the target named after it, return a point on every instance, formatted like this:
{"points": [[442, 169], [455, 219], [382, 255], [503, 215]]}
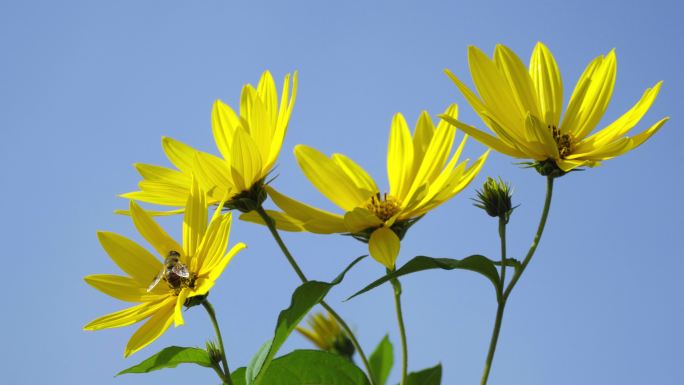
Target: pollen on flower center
{"points": [[383, 206], [565, 142]]}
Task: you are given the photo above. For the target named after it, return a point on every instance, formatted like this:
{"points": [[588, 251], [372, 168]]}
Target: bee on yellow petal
{"points": [[522, 107], [327, 335], [422, 171], [161, 285], [249, 141]]}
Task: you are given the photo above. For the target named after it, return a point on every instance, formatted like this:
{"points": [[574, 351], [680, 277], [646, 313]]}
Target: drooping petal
{"points": [[548, 84], [130, 257], [178, 309], [399, 156], [152, 329], [314, 220], [152, 232], [284, 221], [360, 219], [329, 178], [384, 246]]}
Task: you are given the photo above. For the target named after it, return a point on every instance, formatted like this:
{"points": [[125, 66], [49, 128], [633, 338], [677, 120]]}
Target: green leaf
{"points": [[476, 263], [304, 298], [170, 358], [429, 376], [303, 367], [381, 361], [239, 377]]}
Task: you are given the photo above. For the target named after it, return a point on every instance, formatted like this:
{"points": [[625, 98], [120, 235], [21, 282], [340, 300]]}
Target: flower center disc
{"points": [[383, 206], [565, 142]]}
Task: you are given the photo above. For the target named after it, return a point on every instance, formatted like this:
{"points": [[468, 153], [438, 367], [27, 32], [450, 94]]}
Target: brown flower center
{"points": [[565, 142], [383, 206]]}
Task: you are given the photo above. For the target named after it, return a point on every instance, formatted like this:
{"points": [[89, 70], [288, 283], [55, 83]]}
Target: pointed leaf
{"points": [[381, 361], [304, 298], [429, 376], [170, 358], [477, 263]]}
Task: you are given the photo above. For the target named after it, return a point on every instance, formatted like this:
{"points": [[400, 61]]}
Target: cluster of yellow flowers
{"points": [[521, 106]]}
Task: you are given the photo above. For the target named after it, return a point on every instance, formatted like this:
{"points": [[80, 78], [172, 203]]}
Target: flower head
{"points": [[495, 198], [162, 285], [327, 335], [523, 109], [421, 177], [249, 141]]}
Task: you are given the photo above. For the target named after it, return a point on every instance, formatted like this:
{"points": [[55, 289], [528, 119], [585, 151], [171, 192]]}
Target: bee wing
{"points": [[155, 281], [180, 270]]}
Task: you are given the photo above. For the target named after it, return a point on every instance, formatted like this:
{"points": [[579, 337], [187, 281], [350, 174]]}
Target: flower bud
{"points": [[327, 335], [495, 198], [214, 352]]}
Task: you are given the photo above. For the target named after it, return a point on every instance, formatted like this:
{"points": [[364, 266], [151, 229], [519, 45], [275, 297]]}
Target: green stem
{"points": [[402, 330], [502, 295], [537, 237], [270, 223], [500, 306], [212, 314]]}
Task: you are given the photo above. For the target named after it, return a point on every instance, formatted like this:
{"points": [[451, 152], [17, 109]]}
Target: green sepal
{"points": [[304, 298], [476, 263], [170, 358], [308, 367]]}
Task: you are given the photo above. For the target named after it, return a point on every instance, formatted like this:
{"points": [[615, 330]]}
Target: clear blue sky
{"points": [[88, 88]]}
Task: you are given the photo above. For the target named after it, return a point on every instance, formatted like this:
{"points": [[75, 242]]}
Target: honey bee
{"points": [[174, 272]]}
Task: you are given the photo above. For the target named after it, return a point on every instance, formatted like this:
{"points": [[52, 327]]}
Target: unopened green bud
{"points": [[214, 352], [495, 198]]}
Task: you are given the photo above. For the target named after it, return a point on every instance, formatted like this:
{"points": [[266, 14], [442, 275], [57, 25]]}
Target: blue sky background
{"points": [[88, 88]]}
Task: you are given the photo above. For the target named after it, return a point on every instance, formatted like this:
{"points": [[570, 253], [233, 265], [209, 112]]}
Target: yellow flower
{"points": [[249, 142], [421, 177], [523, 109], [327, 335], [186, 272]]}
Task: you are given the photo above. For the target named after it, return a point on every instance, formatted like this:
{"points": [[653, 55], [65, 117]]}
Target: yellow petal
{"points": [[127, 316], [130, 257], [494, 90], [329, 178], [245, 163], [284, 222], [399, 157], [214, 243], [518, 78], [152, 329], [179, 153], [423, 135], [314, 220], [384, 246], [596, 98], [542, 137], [357, 174], [202, 286], [123, 288], [213, 173], [158, 193], [266, 90], [547, 83], [178, 309], [221, 264], [260, 125], [153, 233], [360, 219], [284, 112], [224, 122], [163, 174], [485, 138], [624, 124], [195, 219], [435, 158]]}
